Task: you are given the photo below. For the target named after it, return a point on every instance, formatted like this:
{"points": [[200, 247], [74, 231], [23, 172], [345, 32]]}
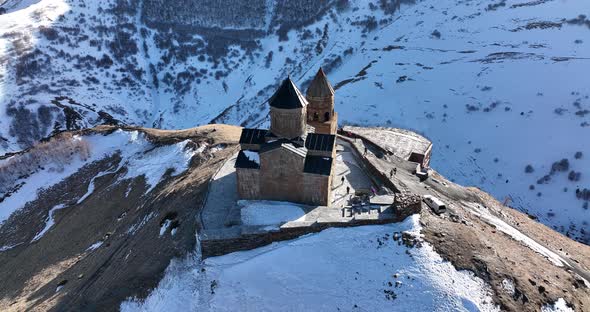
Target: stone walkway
{"points": [[354, 177], [221, 209]]}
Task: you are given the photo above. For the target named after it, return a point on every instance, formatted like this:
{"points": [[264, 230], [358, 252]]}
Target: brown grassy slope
{"points": [[129, 263], [472, 244]]}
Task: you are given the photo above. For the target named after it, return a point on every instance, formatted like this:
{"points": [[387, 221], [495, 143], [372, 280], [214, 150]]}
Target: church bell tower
{"points": [[320, 111]]}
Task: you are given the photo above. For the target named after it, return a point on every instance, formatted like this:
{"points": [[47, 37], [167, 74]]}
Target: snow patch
{"points": [[252, 156], [49, 222], [5, 248], [263, 212], [94, 246], [165, 226], [559, 306], [517, 235], [153, 163], [141, 158], [508, 286], [135, 227]]}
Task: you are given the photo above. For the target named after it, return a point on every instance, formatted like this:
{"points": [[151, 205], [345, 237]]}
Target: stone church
{"points": [[294, 159]]}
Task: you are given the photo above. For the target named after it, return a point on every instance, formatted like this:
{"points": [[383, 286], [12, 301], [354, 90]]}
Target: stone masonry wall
{"points": [[211, 248], [287, 123], [316, 189], [281, 175], [248, 183], [321, 106]]}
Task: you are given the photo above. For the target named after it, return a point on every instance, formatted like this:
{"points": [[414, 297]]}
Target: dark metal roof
{"points": [[244, 162], [318, 165], [253, 136], [320, 86], [320, 142], [284, 143], [287, 96]]}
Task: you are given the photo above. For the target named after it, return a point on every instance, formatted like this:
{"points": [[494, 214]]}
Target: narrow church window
{"points": [[326, 116]]}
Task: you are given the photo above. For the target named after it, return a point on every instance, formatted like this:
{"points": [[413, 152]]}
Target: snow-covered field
{"points": [[339, 269]]}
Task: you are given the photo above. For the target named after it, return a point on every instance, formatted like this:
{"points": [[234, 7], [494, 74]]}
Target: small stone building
{"points": [[288, 162]]}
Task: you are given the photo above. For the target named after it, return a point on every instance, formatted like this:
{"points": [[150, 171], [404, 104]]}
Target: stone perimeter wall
{"points": [[404, 207], [372, 170], [249, 183]]}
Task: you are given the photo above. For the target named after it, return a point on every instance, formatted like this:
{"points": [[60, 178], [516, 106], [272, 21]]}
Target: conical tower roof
{"points": [[288, 96], [320, 86]]}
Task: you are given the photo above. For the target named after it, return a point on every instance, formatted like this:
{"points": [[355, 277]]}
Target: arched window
{"points": [[316, 116], [326, 116]]}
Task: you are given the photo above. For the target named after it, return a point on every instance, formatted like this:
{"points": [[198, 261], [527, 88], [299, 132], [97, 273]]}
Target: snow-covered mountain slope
{"points": [[503, 87], [350, 269], [496, 85]]}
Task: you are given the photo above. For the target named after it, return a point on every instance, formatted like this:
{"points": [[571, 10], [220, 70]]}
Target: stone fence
{"points": [[404, 206]]}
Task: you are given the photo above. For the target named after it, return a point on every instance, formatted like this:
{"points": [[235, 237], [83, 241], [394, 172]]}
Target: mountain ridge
{"points": [[135, 212]]}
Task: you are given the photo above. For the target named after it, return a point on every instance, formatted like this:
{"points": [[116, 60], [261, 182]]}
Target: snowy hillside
{"points": [[496, 85], [25, 177], [351, 269]]}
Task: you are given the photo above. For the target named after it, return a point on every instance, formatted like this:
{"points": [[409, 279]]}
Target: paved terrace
{"points": [[221, 217]]}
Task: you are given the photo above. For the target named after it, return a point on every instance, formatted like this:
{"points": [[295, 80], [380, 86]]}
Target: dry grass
{"points": [[214, 133]]}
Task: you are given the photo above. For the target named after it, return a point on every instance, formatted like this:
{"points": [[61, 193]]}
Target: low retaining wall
{"points": [[405, 206], [352, 135]]}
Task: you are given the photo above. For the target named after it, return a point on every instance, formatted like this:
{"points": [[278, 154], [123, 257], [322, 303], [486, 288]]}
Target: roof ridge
{"points": [[288, 96], [320, 86]]}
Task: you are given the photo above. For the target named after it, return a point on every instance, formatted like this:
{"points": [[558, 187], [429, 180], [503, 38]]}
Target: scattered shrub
{"points": [[574, 176], [544, 180], [53, 155], [560, 166]]}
